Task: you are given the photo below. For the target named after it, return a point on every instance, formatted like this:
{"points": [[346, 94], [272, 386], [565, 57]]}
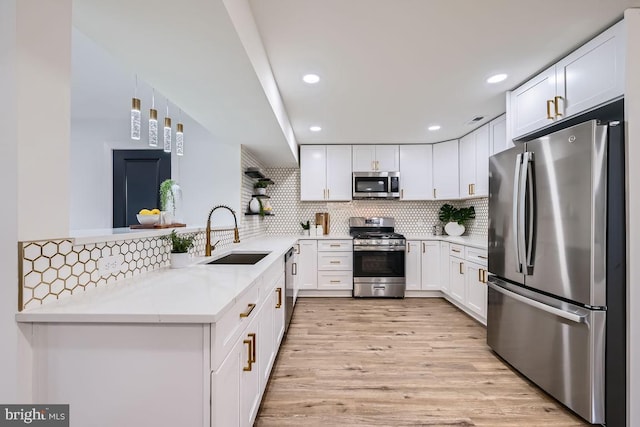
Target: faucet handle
{"points": [[214, 245]]}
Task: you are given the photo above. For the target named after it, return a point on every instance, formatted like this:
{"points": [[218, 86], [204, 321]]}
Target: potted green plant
{"points": [[454, 218], [261, 187], [306, 227], [180, 245], [167, 201]]}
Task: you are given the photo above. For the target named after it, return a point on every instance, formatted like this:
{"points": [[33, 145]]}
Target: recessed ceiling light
{"points": [[315, 128], [434, 127], [311, 78], [497, 78]]}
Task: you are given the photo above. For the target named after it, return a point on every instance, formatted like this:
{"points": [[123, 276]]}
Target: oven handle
{"points": [[378, 248]]}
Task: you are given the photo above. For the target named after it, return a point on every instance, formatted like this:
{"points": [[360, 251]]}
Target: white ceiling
{"points": [[389, 68]]}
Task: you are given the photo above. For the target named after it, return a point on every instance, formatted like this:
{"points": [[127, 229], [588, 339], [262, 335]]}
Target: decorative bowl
{"points": [[148, 219]]}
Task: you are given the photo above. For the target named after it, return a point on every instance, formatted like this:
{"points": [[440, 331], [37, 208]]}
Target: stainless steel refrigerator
{"points": [[554, 249]]}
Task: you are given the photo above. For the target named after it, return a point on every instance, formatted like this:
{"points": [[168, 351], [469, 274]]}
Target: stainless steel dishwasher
{"points": [[290, 268]]}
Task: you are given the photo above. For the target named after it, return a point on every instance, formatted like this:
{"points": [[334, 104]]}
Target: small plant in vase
{"points": [[260, 187], [306, 227], [454, 218], [167, 201], [180, 245]]}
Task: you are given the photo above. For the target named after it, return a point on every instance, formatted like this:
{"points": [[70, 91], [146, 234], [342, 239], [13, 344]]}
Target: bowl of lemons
{"points": [[148, 216]]}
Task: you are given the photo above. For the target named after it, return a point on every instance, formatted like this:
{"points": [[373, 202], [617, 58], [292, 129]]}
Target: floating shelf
{"points": [[254, 173], [257, 213], [260, 196], [267, 180]]}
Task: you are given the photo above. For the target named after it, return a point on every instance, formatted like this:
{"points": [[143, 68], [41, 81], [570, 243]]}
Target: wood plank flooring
{"points": [[410, 362]]}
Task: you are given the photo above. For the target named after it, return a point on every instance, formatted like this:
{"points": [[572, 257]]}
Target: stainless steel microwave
{"points": [[376, 185]]}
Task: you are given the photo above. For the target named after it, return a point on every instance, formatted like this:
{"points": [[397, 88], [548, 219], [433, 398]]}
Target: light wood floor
{"points": [[404, 362]]}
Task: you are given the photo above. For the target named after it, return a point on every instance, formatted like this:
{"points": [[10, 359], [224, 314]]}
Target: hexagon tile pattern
{"points": [[410, 216], [55, 269]]}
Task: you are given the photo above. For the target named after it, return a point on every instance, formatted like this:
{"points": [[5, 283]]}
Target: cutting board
{"points": [[137, 226]]}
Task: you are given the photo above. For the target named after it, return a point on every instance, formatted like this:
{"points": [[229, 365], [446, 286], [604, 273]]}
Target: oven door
{"points": [[378, 272]]}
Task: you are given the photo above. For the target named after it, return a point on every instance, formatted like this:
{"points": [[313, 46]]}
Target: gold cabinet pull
{"points": [[549, 102], [334, 262], [557, 103], [469, 190], [328, 194], [253, 347], [480, 275], [294, 269], [434, 193], [473, 189], [249, 361], [334, 245], [334, 281], [424, 247], [250, 308], [461, 271], [482, 257], [484, 275], [408, 248], [402, 193], [297, 248], [455, 250], [279, 292]]}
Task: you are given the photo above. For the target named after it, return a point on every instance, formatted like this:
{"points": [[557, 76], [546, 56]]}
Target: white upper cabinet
{"points": [[467, 164], [481, 184], [586, 78], [325, 172], [445, 170], [416, 173], [498, 135], [532, 103], [371, 158], [339, 172], [474, 163], [313, 172], [593, 74]]}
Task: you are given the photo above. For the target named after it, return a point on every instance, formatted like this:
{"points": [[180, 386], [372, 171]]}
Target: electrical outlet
{"points": [[110, 264]]}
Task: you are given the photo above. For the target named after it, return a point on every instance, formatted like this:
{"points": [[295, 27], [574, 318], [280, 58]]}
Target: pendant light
{"points": [[180, 136], [167, 131], [135, 114], [153, 121]]}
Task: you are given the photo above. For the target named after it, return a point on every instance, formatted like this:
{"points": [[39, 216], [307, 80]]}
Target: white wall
{"points": [[43, 61], [34, 36], [632, 112], [208, 173]]}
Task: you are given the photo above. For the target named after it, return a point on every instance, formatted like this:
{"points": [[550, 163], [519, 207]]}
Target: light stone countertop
{"points": [[199, 293], [327, 237], [473, 241]]}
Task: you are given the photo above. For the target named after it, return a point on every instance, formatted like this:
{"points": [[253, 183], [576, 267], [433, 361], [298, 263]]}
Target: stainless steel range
{"points": [[378, 258]]}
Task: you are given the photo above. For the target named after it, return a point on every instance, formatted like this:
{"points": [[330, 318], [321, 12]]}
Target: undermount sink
{"points": [[246, 258]]}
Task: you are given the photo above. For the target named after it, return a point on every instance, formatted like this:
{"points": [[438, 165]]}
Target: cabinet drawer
{"points": [[226, 330], [479, 256], [456, 250], [335, 245], [335, 261], [335, 280]]}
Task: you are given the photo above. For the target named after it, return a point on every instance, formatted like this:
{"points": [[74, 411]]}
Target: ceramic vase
{"points": [[180, 260], [454, 229], [261, 191], [254, 205]]}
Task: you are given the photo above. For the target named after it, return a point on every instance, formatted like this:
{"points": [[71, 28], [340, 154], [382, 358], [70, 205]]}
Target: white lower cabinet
{"points": [[412, 262], [430, 265], [335, 265], [444, 267], [456, 279], [476, 289], [308, 264]]}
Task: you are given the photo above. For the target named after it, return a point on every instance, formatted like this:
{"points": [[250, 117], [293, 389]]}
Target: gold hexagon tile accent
{"points": [[49, 249], [32, 251]]}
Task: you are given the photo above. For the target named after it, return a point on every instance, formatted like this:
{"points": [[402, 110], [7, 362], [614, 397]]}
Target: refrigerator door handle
{"points": [[540, 306], [530, 184], [522, 199], [516, 200]]}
